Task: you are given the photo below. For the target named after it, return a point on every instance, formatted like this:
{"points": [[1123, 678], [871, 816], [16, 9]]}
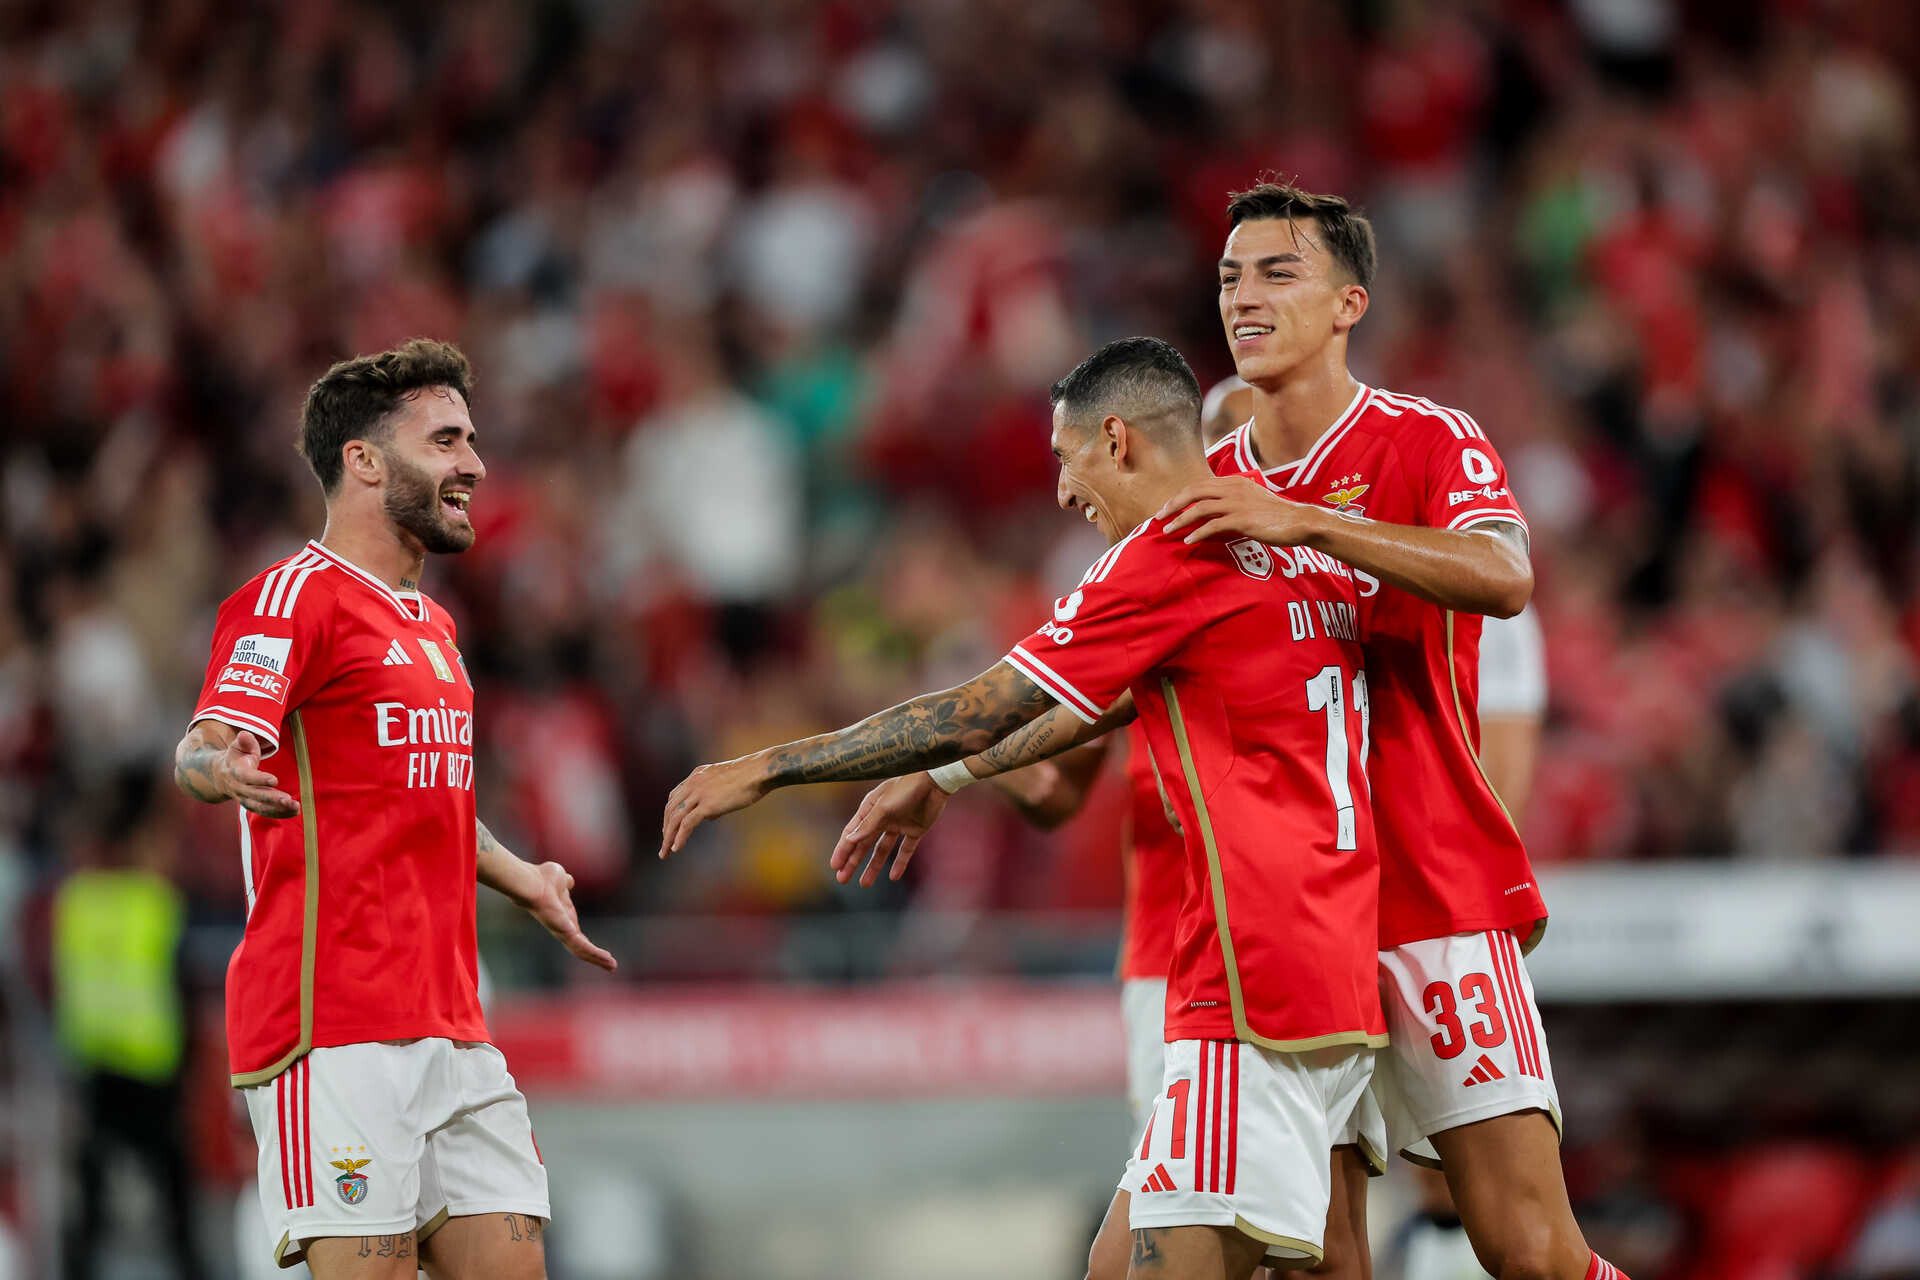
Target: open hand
{"points": [[552, 906], [711, 791], [1241, 507], [236, 771], [889, 823]]}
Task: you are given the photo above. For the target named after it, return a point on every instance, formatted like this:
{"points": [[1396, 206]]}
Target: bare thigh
{"points": [[487, 1246], [1193, 1253], [363, 1257], [1107, 1260], [1347, 1254], [1507, 1186]]}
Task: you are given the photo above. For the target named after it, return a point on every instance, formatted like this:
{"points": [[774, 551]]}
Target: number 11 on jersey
{"points": [[1325, 693]]}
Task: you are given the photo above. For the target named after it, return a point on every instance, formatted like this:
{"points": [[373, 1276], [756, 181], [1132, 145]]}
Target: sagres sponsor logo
{"points": [[351, 1182], [269, 652]]}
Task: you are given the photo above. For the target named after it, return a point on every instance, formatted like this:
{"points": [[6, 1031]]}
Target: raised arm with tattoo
{"points": [[935, 728]]}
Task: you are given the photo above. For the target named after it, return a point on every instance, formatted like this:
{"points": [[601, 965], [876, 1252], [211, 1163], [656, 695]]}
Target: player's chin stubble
{"points": [[413, 504]]}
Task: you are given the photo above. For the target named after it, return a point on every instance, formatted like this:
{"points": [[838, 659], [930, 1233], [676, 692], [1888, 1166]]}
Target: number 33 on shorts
{"points": [[1467, 1043]]}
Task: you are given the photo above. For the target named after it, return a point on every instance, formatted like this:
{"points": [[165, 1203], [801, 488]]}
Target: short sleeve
{"points": [[1466, 482], [258, 659], [1123, 620]]}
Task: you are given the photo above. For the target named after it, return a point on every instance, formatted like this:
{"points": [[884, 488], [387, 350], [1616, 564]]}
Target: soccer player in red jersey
{"points": [[1242, 662], [1414, 495], [391, 1135]]}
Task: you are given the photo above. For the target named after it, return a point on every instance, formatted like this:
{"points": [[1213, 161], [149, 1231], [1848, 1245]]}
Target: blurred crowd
{"points": [[764, 298]]}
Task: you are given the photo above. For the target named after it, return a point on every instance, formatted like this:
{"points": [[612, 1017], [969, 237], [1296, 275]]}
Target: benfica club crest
{"points": [[352, 1183], [1252, 558], [1346, 494]]}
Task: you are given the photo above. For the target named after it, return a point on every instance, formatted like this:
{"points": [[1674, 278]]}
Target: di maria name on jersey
{"points": [[1244, 662]]}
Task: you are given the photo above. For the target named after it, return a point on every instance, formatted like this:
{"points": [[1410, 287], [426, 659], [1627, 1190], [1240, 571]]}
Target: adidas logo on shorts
{"points": [[1484, 1072]]}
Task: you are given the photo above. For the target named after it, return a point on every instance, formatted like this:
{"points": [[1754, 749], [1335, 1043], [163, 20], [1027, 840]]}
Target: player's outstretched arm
{"points": [[544, 891], [935, 728], [216, 762], [897, 813], [1484, 569]]}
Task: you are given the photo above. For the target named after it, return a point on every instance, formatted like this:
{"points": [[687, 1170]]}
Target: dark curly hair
{"points": [[354, 399]]}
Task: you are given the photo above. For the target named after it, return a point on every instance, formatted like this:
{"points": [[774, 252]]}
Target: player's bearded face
{"points": [[416, 503]]}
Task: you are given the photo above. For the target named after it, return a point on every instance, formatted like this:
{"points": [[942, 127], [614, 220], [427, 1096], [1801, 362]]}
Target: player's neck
{"points": [[375, 547], [1289, 416]]}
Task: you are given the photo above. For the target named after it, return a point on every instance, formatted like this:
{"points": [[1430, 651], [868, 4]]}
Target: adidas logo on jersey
{"points": [[1160, 1181], [396, 656], [1484, 1072]]}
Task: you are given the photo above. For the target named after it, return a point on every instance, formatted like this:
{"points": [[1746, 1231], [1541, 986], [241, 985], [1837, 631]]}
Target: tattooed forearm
{"points": [[930, 730], [1053, 734], [193, 762], [487, 843]]}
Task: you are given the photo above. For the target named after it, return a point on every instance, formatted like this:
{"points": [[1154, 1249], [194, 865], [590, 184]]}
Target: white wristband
{"points": [[951, 777]]}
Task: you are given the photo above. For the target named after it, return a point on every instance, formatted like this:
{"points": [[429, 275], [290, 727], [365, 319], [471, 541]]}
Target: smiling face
{"points": [[1283, 298], [1089, 479], [431, 470]]}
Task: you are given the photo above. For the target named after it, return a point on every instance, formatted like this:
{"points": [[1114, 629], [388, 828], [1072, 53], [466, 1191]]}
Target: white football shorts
{"points": [[382, 1139], [1466, 1039], [1240, 1137]]}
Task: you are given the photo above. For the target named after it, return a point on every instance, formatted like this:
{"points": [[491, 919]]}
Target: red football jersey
{"points": [[1261, 747], [1450, 859], [1155, 860], [360, 911]]}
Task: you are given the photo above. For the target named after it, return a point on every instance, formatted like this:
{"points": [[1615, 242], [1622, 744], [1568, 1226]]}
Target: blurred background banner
{"points": [[763, 298]]}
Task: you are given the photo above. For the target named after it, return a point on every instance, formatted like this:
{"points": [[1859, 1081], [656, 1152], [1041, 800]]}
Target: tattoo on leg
{"points": [[513, 1226], [534, 1226], [366, 1247], [387, 1245], [1146, 1249]]}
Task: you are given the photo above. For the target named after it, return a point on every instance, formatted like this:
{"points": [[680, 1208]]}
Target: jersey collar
{"points": [[1340, 424], [411, 604]]}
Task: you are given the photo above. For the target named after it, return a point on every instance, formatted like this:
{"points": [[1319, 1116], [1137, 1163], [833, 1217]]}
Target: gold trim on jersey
{"points": [[1460, 710], [310, 924], [1314, 1254], [1217, 882]]}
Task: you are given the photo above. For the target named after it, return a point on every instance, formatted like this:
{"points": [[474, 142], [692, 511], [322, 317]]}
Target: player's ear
{"points": [[1113, 431], [1351, 305], [362, 461]]}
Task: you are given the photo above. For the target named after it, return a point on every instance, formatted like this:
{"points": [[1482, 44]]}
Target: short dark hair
{"points": [[1140, 379], [353, 400], [1346, 233]]}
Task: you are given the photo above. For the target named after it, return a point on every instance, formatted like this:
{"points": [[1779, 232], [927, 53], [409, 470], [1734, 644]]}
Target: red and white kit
{"points": [[1260, 746], [1451, 862], [359, 695]]}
